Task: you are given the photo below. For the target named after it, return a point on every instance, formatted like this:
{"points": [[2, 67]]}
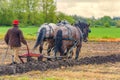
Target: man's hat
{"points": [[15, 22]]}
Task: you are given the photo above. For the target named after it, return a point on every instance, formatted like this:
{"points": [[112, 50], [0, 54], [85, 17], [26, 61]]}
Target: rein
{"points": [[48, 38], [79, 30]]}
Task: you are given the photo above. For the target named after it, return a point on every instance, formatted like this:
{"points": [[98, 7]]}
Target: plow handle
{"points": [[28, 49], [28, 57]]}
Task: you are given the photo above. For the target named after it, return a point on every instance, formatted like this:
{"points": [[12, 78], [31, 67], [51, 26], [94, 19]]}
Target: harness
{"points": [[80, 32], [50, 32], [75, 42], [69, 53]]}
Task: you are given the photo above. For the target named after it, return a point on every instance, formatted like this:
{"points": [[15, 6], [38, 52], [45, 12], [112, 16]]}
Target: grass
{"points": [[104, 33], [97, 33], [29, 32]]}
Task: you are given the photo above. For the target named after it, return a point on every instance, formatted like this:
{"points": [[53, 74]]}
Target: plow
{"points": [[30, 55]]}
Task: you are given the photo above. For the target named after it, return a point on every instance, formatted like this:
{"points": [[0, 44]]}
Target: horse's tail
{"points": [[58, 41], [40, 37]]}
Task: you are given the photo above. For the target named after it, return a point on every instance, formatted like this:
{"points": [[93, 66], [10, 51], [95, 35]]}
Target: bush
{"points": [[107, 25], [118, 24]]}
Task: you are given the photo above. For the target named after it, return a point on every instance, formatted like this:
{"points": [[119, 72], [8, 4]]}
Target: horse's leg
{"points": [[78, 51], [48, 50], [66, 51], [62, 51], [71, 54], [50, 46], [41, 48]]}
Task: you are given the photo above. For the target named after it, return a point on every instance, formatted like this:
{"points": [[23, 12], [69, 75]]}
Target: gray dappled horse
{"points": [[46, 33], [70, 36]]}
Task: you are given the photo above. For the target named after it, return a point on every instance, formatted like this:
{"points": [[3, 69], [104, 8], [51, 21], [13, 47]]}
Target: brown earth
{"points": [[88, 49], [91, 53]]}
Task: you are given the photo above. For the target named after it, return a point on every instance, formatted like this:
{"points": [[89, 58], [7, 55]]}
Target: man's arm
{"points": [[22, 39], [6, 38]]}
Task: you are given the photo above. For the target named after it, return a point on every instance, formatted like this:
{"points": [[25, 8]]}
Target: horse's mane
{"points": [[63, 23], [81, 25]]}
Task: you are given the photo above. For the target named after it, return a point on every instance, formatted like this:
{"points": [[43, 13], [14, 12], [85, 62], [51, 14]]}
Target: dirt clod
{"points": [[45, 65]]}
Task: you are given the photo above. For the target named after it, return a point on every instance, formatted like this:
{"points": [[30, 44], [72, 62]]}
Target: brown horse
{"points": [[46, 33], [68, 37]]}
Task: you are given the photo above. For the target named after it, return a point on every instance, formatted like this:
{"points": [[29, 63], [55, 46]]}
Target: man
{"points": [[13, 39]]}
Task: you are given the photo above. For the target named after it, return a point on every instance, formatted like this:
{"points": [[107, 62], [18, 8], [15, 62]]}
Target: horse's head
{"points": [[85, 30]]}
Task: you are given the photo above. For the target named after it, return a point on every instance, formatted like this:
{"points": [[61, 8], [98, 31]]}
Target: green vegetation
{"points": [[3, 30], [37, 12], [97, 33], [104, 33], [29, 32], [30, 12]]}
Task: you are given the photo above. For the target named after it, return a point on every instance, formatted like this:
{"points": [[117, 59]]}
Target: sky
{"points": [[89, 8]]}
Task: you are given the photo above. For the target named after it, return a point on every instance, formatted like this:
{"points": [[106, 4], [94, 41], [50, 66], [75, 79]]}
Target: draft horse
{"points": [[71, 36], [46, 33]]}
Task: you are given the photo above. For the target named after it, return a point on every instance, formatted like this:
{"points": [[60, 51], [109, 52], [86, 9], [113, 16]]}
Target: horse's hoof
{"points": [[76, 59], [13, 63], [48, 59], [40, 58]]}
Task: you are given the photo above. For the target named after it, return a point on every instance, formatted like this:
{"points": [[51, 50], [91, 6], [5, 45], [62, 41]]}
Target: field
{"points": [[107, 69], [29, 32], [96, 34]]}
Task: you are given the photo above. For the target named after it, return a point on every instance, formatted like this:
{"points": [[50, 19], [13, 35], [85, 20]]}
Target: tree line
{"points": [[29, 12], [37, 12], [105, 21]]}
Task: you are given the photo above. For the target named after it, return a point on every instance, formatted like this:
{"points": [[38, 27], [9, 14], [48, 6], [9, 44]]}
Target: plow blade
{"points": [[29, 56]]}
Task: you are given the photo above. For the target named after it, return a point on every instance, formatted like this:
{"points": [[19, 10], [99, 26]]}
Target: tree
{"points": [[62, 16], [6, 14], [48, 8]]}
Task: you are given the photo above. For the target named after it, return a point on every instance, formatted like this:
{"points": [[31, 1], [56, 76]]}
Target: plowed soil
{"points": [[91, 53]]}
